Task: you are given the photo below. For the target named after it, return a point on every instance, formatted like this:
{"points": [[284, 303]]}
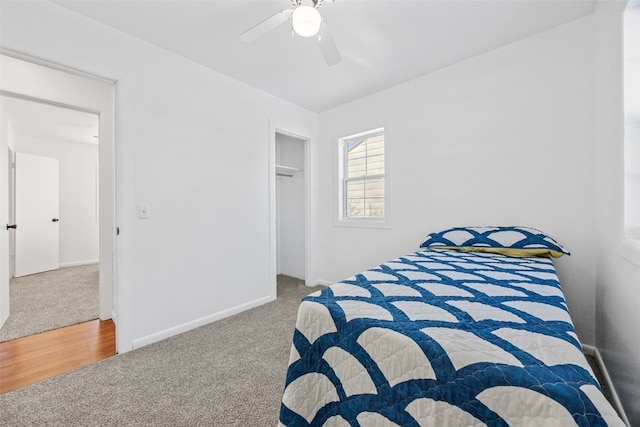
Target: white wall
{"points": [[79, 238], [504, 138], [618, 279], [193, 145], [290, 208]]}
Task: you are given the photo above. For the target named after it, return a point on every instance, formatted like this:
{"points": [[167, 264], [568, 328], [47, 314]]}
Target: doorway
{"points": [[290, 206], [33, 80], [290, 198], [53, 200]]}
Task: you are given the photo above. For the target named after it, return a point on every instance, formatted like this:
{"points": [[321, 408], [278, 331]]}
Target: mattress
{"points": [[442, 338]]}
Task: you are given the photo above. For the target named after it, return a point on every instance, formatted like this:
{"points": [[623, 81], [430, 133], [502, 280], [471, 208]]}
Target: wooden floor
{"points": [[24, 361]]}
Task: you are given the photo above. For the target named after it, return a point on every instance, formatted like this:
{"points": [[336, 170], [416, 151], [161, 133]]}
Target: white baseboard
{"points": [[158, 336], [324, 282], [593, 351], [589, 349], [114, 318], [78, 263]]}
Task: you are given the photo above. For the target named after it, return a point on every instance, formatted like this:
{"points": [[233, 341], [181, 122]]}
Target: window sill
{"points": [[363, 223], [630, 250]]}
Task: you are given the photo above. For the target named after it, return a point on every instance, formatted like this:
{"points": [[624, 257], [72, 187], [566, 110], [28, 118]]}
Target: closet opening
{"points": [[291, 195]]}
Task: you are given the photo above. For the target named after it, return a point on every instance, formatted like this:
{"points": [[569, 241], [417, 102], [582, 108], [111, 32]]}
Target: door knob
{"points": [[55, 220], [14, 226]]}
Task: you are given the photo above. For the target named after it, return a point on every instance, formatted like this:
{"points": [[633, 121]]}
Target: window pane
{"points": [[355, 189], [355, 208], [375, 165], [374, 208], [374, 188], [364, 157], [356, 167], [374, 192], [376, 145]]}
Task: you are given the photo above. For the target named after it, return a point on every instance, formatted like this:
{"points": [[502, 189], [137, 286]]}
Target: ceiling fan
{"points": [[306, 22]]}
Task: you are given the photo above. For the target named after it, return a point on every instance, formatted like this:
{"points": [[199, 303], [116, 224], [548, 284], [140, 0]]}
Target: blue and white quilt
{"points": [[442, 338]]}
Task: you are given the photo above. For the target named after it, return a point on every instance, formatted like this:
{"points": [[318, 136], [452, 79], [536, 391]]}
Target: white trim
{"points": [[54, 65], [187, 326], [630, 250], [340, 219], [52, 103], [124, 258], [293, 131], [589, 349], [78, 263], [631, 232], [609, 384], [362, 223]]}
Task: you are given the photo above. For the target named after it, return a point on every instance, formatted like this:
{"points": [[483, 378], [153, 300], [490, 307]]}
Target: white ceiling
{"points": [[382, 42], [49, 122]]}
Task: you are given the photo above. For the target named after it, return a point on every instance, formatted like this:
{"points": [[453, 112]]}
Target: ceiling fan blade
{"points": [[269, 24], [328, 47]]}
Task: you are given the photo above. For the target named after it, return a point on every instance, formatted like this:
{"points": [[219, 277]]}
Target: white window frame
{"points": [[342, 219]]}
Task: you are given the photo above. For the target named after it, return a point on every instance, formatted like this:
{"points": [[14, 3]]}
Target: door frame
{"points": [[94, 95], [276, 127], [11, 214]]}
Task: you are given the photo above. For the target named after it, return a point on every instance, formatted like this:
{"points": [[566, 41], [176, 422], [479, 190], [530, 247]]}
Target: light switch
{"points": [[143, 212]]}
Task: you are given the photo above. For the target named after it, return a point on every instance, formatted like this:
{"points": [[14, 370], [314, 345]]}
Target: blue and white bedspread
{"points": [[442, 338]]}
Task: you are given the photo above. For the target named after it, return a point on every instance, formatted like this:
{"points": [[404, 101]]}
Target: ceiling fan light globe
{"points": [[306, 21]]}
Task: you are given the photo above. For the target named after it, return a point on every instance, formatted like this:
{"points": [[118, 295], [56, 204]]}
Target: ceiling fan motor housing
{"points": [[306, 21]]}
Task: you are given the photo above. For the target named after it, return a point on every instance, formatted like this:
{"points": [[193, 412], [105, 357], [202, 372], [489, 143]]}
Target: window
{"points": [[363, 178], [632, 120]]}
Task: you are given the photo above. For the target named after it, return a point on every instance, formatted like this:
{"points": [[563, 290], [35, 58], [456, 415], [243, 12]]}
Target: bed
{"points": [[470, 330]]}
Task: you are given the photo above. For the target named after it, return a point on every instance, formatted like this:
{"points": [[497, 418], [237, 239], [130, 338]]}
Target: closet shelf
{"points": [[288, 171]]}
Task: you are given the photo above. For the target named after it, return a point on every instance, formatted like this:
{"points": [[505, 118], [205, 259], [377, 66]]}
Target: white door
{"points": [[37, 219]]}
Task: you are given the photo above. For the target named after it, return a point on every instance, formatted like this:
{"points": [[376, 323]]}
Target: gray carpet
{"points": [[228, 373], [45, 301]]}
